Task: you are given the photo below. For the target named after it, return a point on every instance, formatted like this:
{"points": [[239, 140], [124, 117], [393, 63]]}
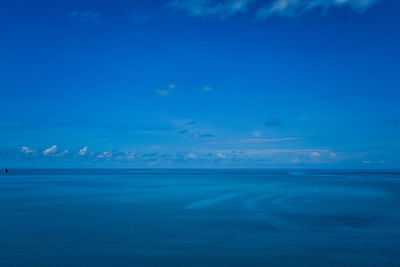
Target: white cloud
{"points": [[105, 155], [50, 150], [296, 7], [207, 88], [53, 152], [220, 155], [83, 151], [366, 162], [256, 134], [204, 8], [191, 156], [26, 150], [315, 154], [171, 86], [162, 92]]}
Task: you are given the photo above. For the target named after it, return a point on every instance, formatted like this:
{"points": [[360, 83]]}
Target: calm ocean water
{"points": [[199, 218]]}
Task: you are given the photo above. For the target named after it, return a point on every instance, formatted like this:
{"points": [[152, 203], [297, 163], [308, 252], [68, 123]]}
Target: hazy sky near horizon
{"points": [[200, 83]]}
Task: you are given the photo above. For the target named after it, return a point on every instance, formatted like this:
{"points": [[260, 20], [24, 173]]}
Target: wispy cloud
{"points": [[201, 135], [162, 92], [286, 156], [287, 8], [190, 156], [50, 150], [166, 92], [246, 141], [207, 88], [291, 8], [63, 153], [266, 140], [204, 8], [84, 16]]}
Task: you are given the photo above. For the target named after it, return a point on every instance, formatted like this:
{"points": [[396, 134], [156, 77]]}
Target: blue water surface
{"points": [[70, 217]]}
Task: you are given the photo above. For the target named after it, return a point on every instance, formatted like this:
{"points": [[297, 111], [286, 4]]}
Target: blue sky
{"points": [[200, 83]]}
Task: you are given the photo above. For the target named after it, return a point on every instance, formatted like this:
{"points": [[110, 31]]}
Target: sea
{"points": [[199, 217]]}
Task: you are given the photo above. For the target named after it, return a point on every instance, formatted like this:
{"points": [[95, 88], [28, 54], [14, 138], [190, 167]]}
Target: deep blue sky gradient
{"points": [[147, 84]]}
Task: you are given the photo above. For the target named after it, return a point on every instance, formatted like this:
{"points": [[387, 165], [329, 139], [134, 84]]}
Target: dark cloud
{"points": [[392, 123], [273, 122]]}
